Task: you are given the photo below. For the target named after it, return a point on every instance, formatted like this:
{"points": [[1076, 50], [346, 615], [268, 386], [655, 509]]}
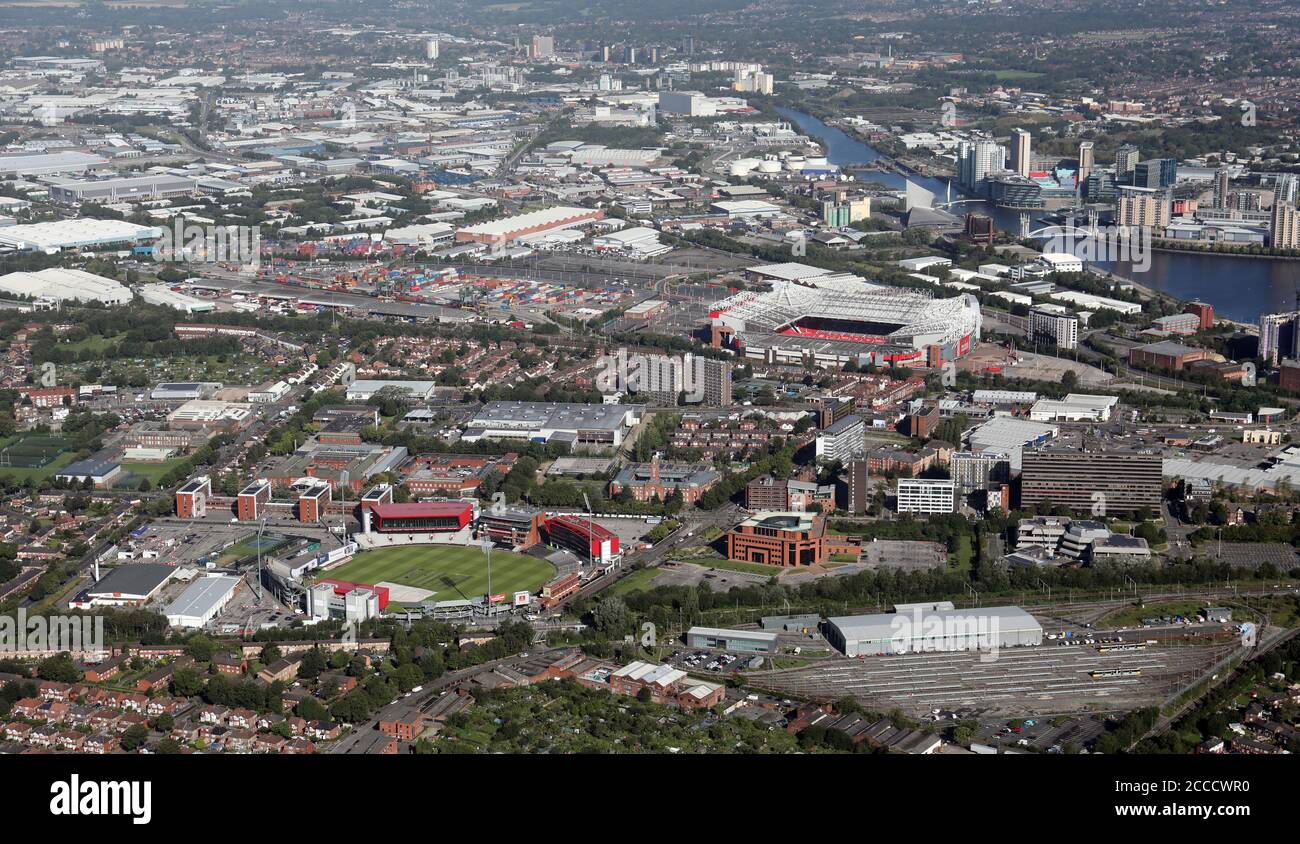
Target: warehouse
{"points": [[743, 641], [74, 234], [100, 471], [201, 601], [933, 630], [183, 390], [128, 585], [64, 285], [161, 294], [118, 190], [48, 163], [363, 389], [597, 425], [548, 219], [1076, 407]]}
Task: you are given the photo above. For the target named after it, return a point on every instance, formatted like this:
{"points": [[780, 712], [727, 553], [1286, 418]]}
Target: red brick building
{"points": [[785, 539]]}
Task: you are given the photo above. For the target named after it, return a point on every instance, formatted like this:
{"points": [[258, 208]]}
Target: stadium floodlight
{"points": [[487, 553]]}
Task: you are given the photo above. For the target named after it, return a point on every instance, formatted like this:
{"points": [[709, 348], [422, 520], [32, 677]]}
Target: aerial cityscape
{"points": [[908, 377]]}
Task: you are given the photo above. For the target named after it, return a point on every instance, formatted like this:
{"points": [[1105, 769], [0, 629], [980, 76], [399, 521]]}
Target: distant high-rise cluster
{"points": [[543, 46]]}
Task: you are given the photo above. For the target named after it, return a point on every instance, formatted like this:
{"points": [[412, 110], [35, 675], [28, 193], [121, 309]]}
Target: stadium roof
{"points": [[791, 271], [581, 524], [849, 297], [413, 509]]}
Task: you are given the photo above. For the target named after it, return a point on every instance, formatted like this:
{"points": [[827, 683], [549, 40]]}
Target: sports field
{"points": [[451, 572]]}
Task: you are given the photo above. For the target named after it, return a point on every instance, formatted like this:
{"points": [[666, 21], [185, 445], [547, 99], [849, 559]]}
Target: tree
{"points": [[199, 647], [311, 709], [135, 737], [611, 616], [60, 669], [186, 682]]}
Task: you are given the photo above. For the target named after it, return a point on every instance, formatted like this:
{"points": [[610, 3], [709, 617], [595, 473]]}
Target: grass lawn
{"points": [[41, 472], [962, 557], [153, 471], [746, 568], [452, 572], [634, 582], [1132, 616]]}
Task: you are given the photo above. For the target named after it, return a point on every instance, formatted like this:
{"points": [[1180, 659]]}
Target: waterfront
{"points": [[1239, 288]]}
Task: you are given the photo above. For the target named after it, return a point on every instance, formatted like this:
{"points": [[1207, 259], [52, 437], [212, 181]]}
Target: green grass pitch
{"points": [[452, 572]]}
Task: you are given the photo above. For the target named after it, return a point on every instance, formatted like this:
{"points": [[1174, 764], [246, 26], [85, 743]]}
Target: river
{"points": [[1239, 288]]}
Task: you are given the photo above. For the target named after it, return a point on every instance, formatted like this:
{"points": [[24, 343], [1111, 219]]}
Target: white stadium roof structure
{"points": [[906, 316]]}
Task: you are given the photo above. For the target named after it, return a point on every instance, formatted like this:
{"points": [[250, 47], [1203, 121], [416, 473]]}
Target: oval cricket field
{"points": [[451, 572]]}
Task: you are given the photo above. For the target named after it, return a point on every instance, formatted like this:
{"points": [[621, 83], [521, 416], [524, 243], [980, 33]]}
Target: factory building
{"points": [[1075, 407], [161, 294], [742, 641], [100, 471], [923, 629]]}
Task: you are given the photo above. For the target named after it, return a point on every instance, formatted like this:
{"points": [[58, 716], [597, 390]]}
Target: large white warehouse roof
{"points": [[73, 234], [66, 286]]}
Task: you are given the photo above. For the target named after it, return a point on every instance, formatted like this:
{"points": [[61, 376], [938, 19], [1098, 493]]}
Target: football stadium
{"points": [[830, 320]]}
